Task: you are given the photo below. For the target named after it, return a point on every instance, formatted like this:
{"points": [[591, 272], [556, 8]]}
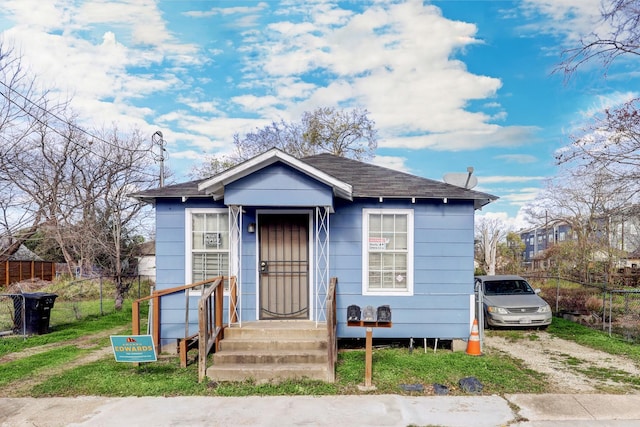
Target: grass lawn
{"points": [[392, 367]]}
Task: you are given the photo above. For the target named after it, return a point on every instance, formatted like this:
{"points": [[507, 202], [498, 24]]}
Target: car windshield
{"points": [[507, 287]]}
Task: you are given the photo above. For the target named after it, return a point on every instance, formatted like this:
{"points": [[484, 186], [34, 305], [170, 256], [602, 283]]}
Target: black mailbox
{"points": [[353, 313], [384, 313]]}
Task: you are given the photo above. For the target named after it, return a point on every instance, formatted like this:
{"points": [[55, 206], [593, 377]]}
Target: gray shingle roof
{"points": [[367, 180], [370, 180]]}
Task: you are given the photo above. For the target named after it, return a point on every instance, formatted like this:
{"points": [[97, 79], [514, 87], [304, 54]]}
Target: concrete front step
{"points": [[234, 344], [272, 350], [261, 333], [282, 357], [262, 373]]}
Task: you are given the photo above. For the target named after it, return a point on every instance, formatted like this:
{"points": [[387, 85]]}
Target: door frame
{"points": [[312, 264]]}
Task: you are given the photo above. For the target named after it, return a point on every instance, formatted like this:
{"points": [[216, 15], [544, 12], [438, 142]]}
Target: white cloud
{"points": [[511, 223], [484, 136], [567, 18], [517, 158], [393, 58], [84, 51], [227, 11], [509, 179], [521, 196], [391, 162]]}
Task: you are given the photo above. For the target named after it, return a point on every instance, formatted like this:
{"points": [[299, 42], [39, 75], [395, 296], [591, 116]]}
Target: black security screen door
{"points": [[284, 266]]}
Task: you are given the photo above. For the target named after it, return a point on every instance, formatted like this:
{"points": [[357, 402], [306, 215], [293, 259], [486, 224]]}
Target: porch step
{"points": [[272, 351], [235, 344], [267, 372], [279, 330], [281, 357]]}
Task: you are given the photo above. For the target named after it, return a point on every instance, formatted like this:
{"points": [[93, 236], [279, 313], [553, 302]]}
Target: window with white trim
{"points": [[207, 244], [387, 252]]}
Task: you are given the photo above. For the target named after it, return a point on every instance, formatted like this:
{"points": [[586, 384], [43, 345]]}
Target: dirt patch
{"points": [[570, 367], [22, 386]]}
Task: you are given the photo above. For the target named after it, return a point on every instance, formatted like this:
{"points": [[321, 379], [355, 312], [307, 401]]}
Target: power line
{"points": [[71, 125], [55, 116]]}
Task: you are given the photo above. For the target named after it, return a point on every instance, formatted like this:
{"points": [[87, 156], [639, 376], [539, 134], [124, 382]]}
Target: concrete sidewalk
{"points": [[364, 410]]}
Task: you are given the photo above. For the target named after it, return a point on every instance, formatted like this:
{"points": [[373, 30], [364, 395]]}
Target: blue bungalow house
{"points": [[284, 226]]}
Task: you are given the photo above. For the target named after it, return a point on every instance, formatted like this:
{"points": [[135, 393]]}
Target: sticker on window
{"points": [[212, 240], [378, 243]]}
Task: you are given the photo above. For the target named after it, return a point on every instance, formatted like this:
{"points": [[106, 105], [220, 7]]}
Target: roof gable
{"points": [[215, 185]]}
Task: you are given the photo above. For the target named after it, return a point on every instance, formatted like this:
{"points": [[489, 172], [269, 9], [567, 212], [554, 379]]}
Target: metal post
{"points": [[610, 311], [101, 312], [604, 300], [558, 290], [158, 138]]}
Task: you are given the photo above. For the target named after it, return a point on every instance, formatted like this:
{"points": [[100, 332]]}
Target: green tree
{"points": [[510, 254]]}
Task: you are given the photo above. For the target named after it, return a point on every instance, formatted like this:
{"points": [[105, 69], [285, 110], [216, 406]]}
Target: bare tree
{"points": [[18, 219], [343, 133], [67, 184], [324, 130], [618, 34], [114, 213], [611, 143], [490, 230], [510, 254], [587, 201]]}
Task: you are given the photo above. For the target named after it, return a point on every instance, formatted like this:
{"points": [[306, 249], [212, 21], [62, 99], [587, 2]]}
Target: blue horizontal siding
{"points": [[443, 269], [278, 185], [441, 331], [443, 250]]}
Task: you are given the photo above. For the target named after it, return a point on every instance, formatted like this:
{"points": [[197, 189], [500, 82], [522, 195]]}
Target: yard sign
{"points": [[133, 348]]}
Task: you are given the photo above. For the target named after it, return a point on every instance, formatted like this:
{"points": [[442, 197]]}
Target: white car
{"points": [[509, 301]]}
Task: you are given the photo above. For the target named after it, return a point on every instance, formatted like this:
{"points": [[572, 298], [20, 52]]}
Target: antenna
{"points": [[461, 179]]}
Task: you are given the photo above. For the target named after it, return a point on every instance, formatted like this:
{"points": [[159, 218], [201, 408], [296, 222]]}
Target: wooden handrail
{"points": [[332, 346], [156, 297], [209, 327]]}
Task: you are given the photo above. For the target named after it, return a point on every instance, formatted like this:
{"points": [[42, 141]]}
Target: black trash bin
{"points": [[37, 312]]}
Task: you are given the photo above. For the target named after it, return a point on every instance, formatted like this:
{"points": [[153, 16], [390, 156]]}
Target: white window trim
{"points": [[365, 252], [188, 273]]}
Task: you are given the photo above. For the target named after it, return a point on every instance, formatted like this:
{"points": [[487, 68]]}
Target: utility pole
{"points": [[157, 138]]}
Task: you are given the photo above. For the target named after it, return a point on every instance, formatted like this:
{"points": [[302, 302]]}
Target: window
{"points": [[207, 244], [387, 252]]}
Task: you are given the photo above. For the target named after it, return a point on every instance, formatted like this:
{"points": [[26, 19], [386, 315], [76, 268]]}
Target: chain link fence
{"points": [[622, 314], [616, 311], [30, 308]]}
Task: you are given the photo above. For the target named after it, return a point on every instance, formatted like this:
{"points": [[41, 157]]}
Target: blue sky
{"points": [[450, 84]]}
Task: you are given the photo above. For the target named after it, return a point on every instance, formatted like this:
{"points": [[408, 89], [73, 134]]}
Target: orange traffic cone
{"points": [[473, 345]]}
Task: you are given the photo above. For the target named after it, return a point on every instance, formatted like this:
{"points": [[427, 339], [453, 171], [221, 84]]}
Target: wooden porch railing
{"points": [[210, 322], [332, 346]]}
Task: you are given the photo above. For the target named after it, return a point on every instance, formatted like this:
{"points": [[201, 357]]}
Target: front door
{"points": [[284, 266]]}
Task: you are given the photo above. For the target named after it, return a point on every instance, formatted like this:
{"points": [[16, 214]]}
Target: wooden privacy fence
{"points": [[16, 271]]}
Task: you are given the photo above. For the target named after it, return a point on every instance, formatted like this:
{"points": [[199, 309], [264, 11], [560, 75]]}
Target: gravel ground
{"points": [[571, 368]]}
